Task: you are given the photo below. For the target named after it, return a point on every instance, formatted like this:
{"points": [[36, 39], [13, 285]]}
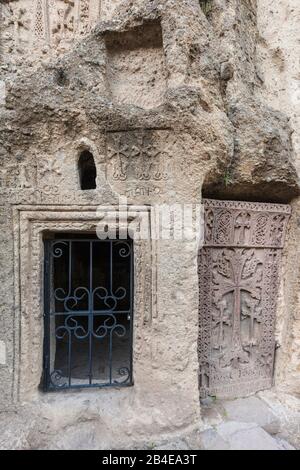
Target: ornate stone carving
{"points": [[63, 25], [230, 223], [15, 22], [138, 155], [41, 20], [238, 282], [33, 24], [16, 17], [18, 176], [84, 15], [50, 166]]}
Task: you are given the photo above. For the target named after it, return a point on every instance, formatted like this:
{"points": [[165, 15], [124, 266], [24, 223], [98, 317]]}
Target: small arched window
{"points": [[87, 170]]}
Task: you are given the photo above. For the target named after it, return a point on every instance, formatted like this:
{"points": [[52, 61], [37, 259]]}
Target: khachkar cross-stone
{"points": [[254, 312], [237, 271], [64, 25], [238, 284]]}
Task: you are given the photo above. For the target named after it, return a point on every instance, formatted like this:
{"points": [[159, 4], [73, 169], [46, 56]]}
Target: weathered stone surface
{"points": [[247, 436], [14, 431], [222, 419], [277, 58], [284, 444], [252, 410], [204, 92], [211, 440], [173, 445], [233, 435], [287, 410], [212, 416]]}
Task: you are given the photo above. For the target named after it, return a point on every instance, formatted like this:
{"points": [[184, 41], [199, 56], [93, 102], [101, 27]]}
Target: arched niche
{"points": [[87, 170]]}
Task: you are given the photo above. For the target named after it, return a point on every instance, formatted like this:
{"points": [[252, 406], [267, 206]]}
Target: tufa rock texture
{"points": [[195, 88]]}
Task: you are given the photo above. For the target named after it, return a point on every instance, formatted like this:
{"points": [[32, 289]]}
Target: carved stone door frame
{"points": [[31, 223], [238, 286]]}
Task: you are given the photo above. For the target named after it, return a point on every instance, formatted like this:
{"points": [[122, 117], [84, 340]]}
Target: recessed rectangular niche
{"points": [[136, 66]]}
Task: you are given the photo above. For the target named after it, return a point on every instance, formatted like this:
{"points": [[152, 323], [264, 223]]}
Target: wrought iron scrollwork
{"points": [[125, 249], [58, 380], [71, 326], [110, 326], [57, 250], [109, 299], [97, 318], [123, 372]]}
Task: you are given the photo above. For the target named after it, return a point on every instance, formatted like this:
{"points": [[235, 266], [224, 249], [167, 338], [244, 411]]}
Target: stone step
{"points": [[232, 435], [252, 410]]}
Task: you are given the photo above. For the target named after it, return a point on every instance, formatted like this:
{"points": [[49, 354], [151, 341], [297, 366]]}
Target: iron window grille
{"points": [[88, 313]]}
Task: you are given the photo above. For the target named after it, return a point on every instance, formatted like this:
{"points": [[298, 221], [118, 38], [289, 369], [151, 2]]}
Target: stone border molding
{"points": [[31, 223]]}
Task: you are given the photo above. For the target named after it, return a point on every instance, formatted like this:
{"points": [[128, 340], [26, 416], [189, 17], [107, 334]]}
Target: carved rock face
{"points": [[238, 282], [168, 102], [32, 28]]}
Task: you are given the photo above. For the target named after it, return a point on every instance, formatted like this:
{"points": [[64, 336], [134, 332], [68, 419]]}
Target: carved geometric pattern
{"points": [[48, 21], [238, 285], [140, 155], [84, 14], [41, 19], [246, 224]]}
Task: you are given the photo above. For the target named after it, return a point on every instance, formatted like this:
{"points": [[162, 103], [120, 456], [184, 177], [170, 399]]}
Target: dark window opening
{"points": [[87, 171], [88, 313], [206, 6]]}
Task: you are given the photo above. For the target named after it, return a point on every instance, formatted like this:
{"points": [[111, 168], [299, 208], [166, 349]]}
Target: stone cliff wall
{"points": [[156, 78], [278, 53]]}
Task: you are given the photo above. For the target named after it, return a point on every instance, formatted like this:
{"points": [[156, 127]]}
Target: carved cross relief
{"points": [[18, 176], [33, 23], [138, 155], [14, 24], [238, 282]]}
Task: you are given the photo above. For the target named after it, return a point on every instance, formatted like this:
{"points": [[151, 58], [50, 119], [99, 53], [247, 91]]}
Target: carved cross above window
{"points": [[138, 155]]}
